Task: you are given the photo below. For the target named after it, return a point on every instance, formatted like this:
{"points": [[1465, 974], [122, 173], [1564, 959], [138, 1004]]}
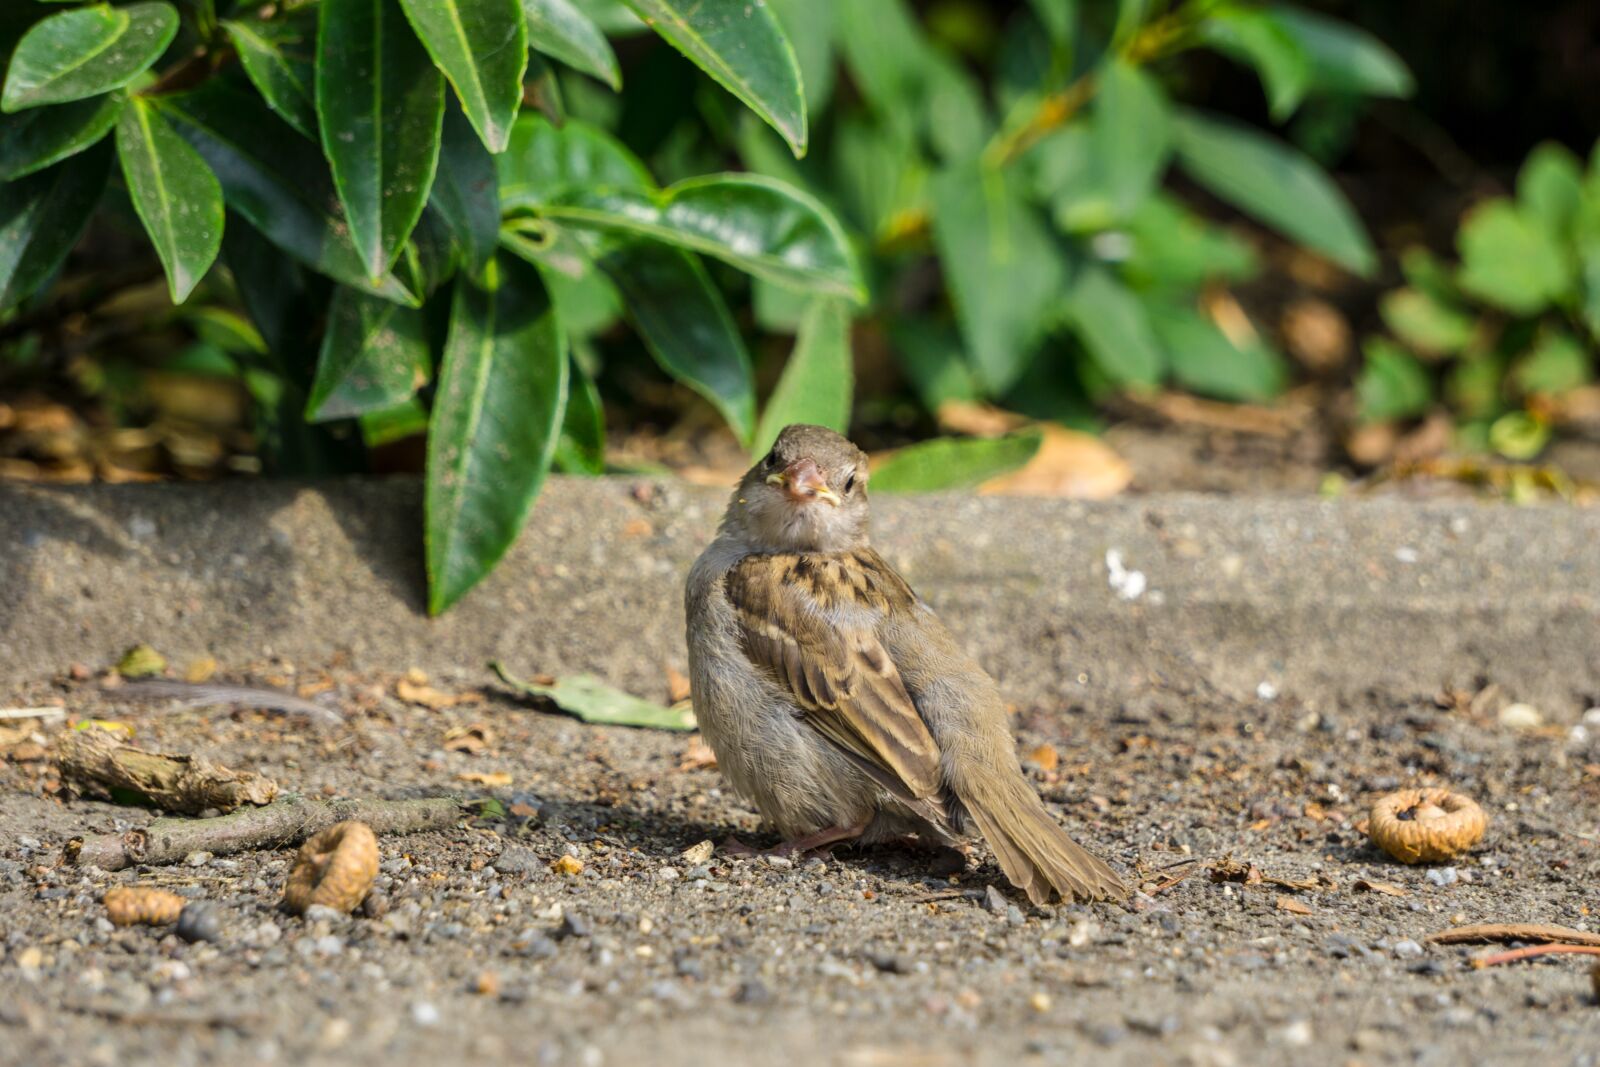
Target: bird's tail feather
{"points": [[1035, 853]]}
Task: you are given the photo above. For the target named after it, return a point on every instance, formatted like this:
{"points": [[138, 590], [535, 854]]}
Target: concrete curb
{"points": [[1291, 601]]}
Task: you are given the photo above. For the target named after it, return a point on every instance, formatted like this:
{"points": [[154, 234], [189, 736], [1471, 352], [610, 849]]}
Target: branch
{"points": [[285, 822]]}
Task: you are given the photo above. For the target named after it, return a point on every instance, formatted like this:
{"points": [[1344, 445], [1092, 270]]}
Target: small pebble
{"points": [[425, 1013], [534, 945], [200, 921], [752, 991], [375, 905], [1521, 717], [321, 913], [995, 901], [574, 925], [1297, 1034], [1442, 876], [197, 859], [1407, 950]]}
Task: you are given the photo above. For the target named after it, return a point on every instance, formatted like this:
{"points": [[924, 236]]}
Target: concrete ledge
{"points": [[1318, 602]]}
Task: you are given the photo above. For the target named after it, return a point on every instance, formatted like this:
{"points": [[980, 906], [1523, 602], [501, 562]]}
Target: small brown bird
{"points": [[833, 697]]}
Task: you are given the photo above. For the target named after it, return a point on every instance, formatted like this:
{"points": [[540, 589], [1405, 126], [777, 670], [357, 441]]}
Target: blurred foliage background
{"points": [[1049, 246]]}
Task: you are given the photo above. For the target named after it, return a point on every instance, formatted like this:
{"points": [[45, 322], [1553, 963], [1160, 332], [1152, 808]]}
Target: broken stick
{"points": [[286, 822], [94, 762]]}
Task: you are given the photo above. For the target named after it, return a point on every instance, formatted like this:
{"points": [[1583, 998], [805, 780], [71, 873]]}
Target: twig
{"points": [[285, 822], [1530, 951], [1174, 880], [206, 693], [9, 714], [1489, 932]]}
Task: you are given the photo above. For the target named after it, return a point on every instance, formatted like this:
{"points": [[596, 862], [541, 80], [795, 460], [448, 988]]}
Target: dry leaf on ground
{"points": [[1070, 464]]}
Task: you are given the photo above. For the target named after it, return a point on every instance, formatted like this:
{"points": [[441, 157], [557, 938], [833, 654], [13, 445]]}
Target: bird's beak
{"points": [[803, 481]]}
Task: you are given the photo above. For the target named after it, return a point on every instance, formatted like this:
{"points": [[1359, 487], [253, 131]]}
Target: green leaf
{"points": [[1174, 247], [563, 32], [1344, 58], [1060, 19], [1427, 273], [379, 428], [686, 325], [1005, 272], [758, 224], [740, 44], [810, 26], [1510, 259], [582, 449], [1392, 384], [374, 357], [41, 218], [275, 179], [1550, 187], [85, 52], [590, 700], [482, 47], [1205, 361], [887, 57], [543, 164], [279, 59], [176, 195], [380, 103], [1256, 37], [466, 190], [930, 355], [1430, 326], [1519, 436], [949, 463], [39, 137], [1131, 135], [496, 419], [1557, 364], [226, 329], [1276, 184], [1114, 328], [818, 380]]}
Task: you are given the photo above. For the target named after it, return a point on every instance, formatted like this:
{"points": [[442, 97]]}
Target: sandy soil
{"points": [[487, 953]]}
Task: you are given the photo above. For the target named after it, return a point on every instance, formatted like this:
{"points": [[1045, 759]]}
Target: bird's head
{"points": [[808, 494]]}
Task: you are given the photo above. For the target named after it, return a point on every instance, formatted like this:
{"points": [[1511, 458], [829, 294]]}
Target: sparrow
{"points": [[837, 702]]}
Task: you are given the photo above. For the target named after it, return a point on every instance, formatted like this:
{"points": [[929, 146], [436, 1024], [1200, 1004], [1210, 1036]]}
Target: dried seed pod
{"points": [[335, 868], [1426, 825], [126, 905]]}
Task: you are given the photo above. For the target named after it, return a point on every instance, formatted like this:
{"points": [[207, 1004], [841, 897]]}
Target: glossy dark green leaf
{"points": [[34, 139], [275, 179], [285, 301], [374, 357], [543, 164], [740, 44], [1511, 259], [466, 189], [1392, 384], [496, 420], [175, 194], [1004, 270], [1344, 58], [560, 30], [1205, 361], [685, 323], [1131, 135], [582, 449], [85, 52], [758, 224], [1276, 184], [482, 47], [1114, 329], [279, 59], [818, 381], [1255, 37], [379, 106], [952, 463], [42, 216]]}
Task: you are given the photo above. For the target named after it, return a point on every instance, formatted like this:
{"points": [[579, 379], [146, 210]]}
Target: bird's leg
{"points": [[818, 841]]}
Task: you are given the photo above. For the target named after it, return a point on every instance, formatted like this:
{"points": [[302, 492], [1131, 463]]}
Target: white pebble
{"points": [[1521, 717], [425, 1013]]}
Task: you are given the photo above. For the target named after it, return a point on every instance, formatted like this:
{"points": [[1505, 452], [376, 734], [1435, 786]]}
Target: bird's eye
{"points": [[850, 482], [771, 460]]}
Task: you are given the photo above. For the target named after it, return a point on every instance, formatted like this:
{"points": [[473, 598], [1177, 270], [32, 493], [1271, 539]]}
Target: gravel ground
{"points": [[487, 952]]}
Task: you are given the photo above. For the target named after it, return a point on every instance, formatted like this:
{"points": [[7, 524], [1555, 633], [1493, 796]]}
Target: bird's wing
{"points": [[813, 623]]}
